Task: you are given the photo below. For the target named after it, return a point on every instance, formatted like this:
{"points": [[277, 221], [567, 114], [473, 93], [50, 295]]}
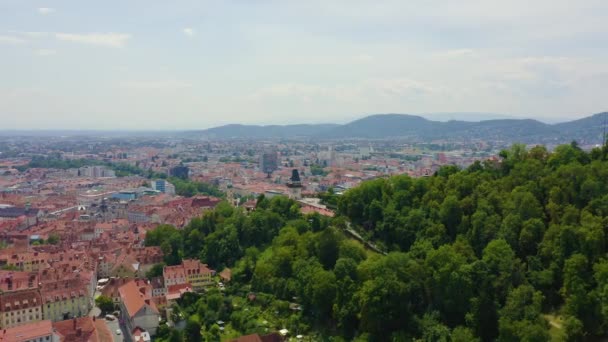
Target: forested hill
{"points": [[382, 126], [509, 251]]}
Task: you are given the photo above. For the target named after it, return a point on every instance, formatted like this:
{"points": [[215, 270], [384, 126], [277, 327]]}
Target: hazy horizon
{"points": [[439, 117], [69, 65]]}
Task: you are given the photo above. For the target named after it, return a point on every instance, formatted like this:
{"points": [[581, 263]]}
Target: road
{"points": [[112, 325]]}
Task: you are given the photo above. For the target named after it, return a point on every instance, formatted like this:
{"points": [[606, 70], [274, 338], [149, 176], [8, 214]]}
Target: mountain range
{"points": [[588, 130]]}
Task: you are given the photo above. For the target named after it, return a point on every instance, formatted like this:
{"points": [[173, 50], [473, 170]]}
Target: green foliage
{"points": [[170, 241], [105, 304], [56, 162], [473, 255], [53, 239], [188, 188], [155, 271], [318, 170]]}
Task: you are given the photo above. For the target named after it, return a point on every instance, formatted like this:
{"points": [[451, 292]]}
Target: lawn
{"points": [[556, 328]]}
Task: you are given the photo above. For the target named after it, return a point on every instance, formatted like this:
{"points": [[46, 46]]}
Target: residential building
{"points": [[174, 275], [16, 280], [66, 303], [163, 186], [86, 328], [137, 309], [20, 307], [110, 290], [95, 171], [158, 287], [191, 272], [197, 274], [32, 332], [274, 337], [175, 292]]}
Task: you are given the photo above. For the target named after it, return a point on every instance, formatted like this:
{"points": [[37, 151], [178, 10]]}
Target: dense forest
{"points": [[507, 250]]}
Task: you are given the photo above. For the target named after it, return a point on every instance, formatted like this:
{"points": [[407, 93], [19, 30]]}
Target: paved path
{"points": [[367, 244]]}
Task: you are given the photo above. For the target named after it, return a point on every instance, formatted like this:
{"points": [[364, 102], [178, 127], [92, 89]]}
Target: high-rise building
{"points": [[180, 172], [94, 171], [163, 186], [269, 161]]}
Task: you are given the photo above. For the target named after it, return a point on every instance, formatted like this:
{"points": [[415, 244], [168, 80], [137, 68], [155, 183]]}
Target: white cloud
{"points": [[31, 34], [45, 10], [155, 85], [45, 52], [11, 40], [458, 53], [379, 89], [100, 39], [188, 31]]}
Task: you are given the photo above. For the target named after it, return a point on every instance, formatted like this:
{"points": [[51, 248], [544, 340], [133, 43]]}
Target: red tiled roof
{"points": [[133, 299], [27, 332], [78, 329]]}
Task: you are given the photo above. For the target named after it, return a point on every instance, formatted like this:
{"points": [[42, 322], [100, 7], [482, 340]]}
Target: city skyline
{"points": [[195, 65]]}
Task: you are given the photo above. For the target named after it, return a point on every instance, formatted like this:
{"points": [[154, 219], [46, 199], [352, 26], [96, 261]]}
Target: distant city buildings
{"points": [[93, 172], [163, 186], [180, 171], [66, 228], [269, 161]]}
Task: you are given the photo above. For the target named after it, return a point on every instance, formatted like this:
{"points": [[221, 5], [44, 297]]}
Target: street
{"points": [[112, 325]]}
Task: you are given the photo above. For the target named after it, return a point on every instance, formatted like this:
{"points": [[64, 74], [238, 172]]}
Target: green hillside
{"points": [[513, 250]]}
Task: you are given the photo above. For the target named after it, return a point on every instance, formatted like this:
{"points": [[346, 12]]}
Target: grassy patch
{"points": [[556, 328]]}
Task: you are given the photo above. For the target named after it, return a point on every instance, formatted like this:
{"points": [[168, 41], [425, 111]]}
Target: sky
{"points": [[135, 64]]}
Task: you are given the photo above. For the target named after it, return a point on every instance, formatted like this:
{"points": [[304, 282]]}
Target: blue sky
{"points": [[194, 64]]}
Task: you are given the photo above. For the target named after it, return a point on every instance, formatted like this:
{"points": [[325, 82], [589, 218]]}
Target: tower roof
{"points": [[294, 181]]}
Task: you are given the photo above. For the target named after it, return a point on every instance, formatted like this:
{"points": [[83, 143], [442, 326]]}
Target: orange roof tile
{"points": [[26, 332], [133, 299]]}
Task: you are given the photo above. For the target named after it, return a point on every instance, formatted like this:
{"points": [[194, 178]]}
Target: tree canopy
{"points": [[479, 254]]}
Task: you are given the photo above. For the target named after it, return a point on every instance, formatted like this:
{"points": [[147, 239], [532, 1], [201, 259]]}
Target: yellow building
{"points": [[29, 261], [65, 304], [20, 307], [197, 274]]}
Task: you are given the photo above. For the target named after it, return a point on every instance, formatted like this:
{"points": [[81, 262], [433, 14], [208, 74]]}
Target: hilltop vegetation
{"points": [[382, 126], [480, 254]]}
